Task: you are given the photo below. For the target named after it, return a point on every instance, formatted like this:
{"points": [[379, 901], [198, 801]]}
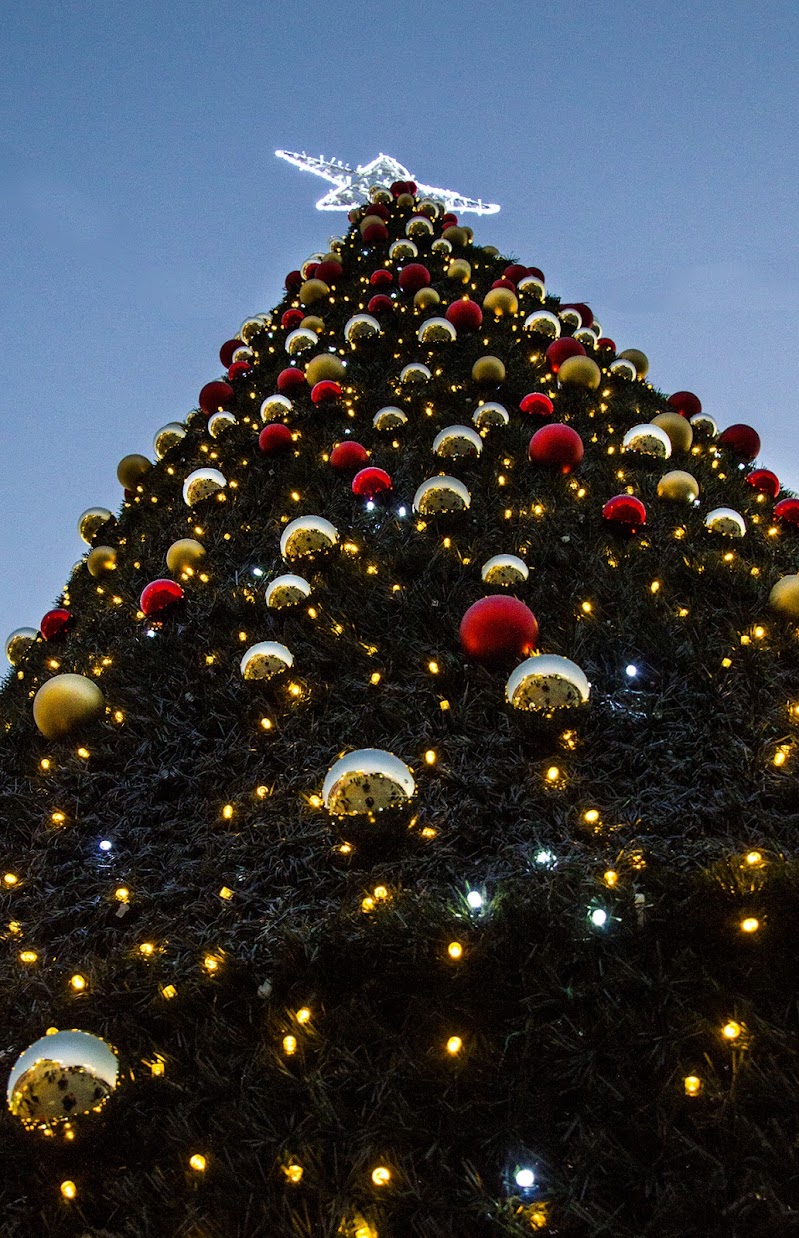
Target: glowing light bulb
{"points": [[68, 1189], [692, 1085], [293, 1172], [454, 1045], [598, 917], [750, 924], [731, 1030], [631, 671], [78, 982], [289, 1045], [381, 1176], [544, 857], [475, 900], [198, 1162], [525, 1178], [455, 950], [303, 1015], [105, 844]]}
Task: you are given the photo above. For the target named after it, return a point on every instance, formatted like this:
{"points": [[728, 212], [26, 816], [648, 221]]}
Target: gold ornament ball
{"points": [[91, 522], [131, 469], [65, 703], [469, 232], [312, 322], [678, 429], [102, 560], [491, 250], [678, 487], [580, 372], [19, 642], [488, 370], [784, 597], [61, 1079], [168, 437], [500, 302], [459, 269], [369, 780], [405, 201], [639, 360], [313, 290], [325, 366], [184, 554], [425, 298], [456, 235]]}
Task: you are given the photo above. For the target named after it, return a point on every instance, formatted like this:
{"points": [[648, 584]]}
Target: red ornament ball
{"points": [[560, 350], [374, 232], [227, 350], [381, 278], [158, 595], [238, 368], [498, 628], [215, 397], [413, 277], [310, 269], [294, 281], [685, 403], [605, 341], [537, 404], [371, 482], [514, 272], [291, 319], [326, 391], [537, 272], [624, 512], [504, 283], [787, 511], [765, 481], [556, 446], [585, 313], [380, 304], [290, 379], [742, 440], [464, 315], [399, 187], [348, 456], [274, 439], [449, 220], [56, 623], [329, 271], [378, 209]]}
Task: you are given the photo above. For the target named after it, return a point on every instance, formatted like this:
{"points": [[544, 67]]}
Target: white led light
{"points": [[631, 671], [105, 845], [598, 917], [370, 506], [544, 857], [150, 632], [475, 899], [402, 511], [525, 1178], [257, 571]]}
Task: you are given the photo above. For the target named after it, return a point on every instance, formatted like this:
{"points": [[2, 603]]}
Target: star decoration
{"points": [[352, 185]]}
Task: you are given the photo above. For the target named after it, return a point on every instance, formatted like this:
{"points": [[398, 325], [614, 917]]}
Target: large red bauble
{"points": [[537, 404], [741, 439], [556, 446], [274, 439], [537, 272], [624, 512], [399, 187], [292, 318], [560, 350], [413, 277], [449, 220], [585, 313], [290, 379], [787, 511], [55, 623], [215, 397], [326, 391], [765, 481], [348, 456], [237, 368], [605, 341], [686, 403], [294, 281], [158, 595], [227, 350], [504, 283], [498, 628], [374, 232], [378, 209], [310, 269], [371, 482], [514, 272], [464, 315], [329, 271], [380, 304], [381, 278]]}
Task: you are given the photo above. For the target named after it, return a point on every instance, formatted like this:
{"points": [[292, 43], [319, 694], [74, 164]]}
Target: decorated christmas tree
{"points": [[398, 807]]}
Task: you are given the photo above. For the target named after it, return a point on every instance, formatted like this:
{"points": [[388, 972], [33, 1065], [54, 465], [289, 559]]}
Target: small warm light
{"points": [[118, 715], [168, 991], [375, 677], [289, 1045], [243, 636], [381, 1176], [429, 832], [209, 659], [750, 924], [266, 724], [731, 1030], [227, 812], [586, 608], [68, 1189], [610, 877], [198, 1162], [729, 556], [726, 663], [380, 892], [367, 903], [54, 664], [156, 1067], [454, 1045], [295, 690], [210, 963], [430, 757], [655, 586], [84, 753], [443, 706], [226, 893], [692, 1085], [345, 849], [28, 956], [295, 494], [754, 858], [433, 667], [780, 757], [455, 950], [147, 949], [553, 774], [45, 764], [58, 818], [591, 816], [293, 1172], [78, 982], [303, 1015], [122, 894]]}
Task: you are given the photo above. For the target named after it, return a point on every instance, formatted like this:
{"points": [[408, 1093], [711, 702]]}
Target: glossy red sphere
{"points": [[292, 319], [326, 391], [329, 271], [605, 341], [274, 439], [238, 368], [537, 404], [498, 628], [370, 482], [787, 511], [55, 623], [380, 304], [559, 350], [556, 447], [765, 481], [290, 379], [464, 315], [348, 456], [504, 283], [227, 350], [625, 512], [514, 272], [215, 397], [742, 440], [413, 277], [381, 278], [158, 595], [374, 233], [686, 403], [294, 281]]}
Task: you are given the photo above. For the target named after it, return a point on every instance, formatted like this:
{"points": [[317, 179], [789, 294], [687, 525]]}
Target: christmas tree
{"points": [[398, 805]]}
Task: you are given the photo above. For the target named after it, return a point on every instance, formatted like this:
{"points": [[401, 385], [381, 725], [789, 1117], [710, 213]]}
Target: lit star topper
{"points": [[352, 185]]}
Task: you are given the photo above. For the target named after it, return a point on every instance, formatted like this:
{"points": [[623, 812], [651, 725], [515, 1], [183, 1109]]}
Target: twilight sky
{"points": [[645, 156]]}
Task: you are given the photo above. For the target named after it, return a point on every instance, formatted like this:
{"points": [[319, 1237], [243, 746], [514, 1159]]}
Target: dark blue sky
{"points": [[645, 157]]}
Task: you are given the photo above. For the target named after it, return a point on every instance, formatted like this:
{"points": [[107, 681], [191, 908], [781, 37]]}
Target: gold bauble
{"points": [[201, 484], [312, 322], [441, 495], [131, 469], [184, 554], [102, 560], [505, 570], [460, 270], [623, 369], [424, 298], [543, 322], [456, 235], [219, 423], [65, 703], [403, 249], [389, 418], [458, 443], [429, 208], [491, 250], [678, 487], [488, 416], [419, 226], [325, 365], [313, 290], [784, 597], [91, 522], [168, 437], [250, 328], [360, 328], [678, 429], [301, 339], [265, 660], [287, 590], [547, 683], [488, 370], [378, 193], [414, 372], [580, 372], [276, 408], [62, 1079], [639, 360], [369, 220], [308, 535], [368, 780], [469, 233], [405, 201], [501, 302], [440, 246], [19, 642], [436, 331]]}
